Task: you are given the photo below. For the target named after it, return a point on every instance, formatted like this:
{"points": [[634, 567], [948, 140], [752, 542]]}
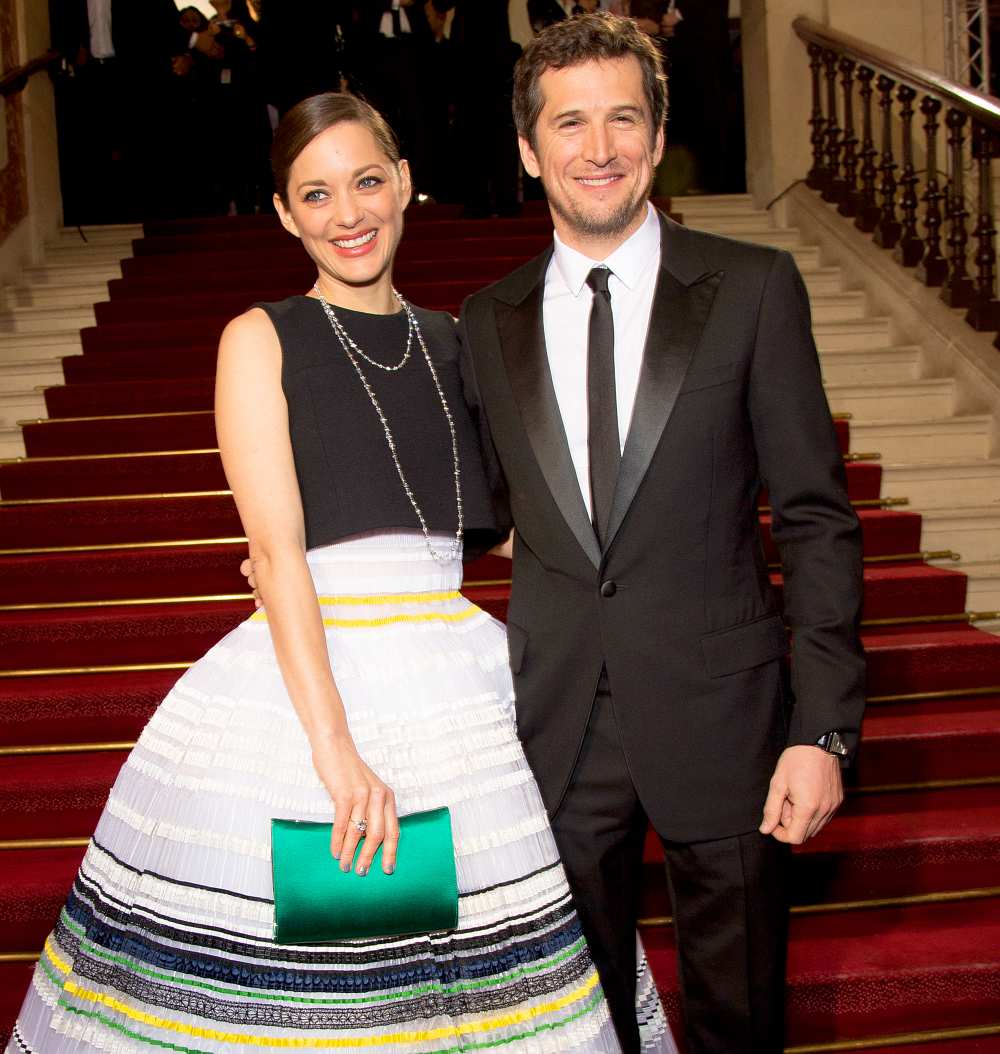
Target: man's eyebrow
{"points": [[625, 107]]}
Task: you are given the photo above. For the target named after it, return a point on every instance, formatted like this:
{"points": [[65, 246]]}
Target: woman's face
{"points": [[346, 202], [191, 19]]}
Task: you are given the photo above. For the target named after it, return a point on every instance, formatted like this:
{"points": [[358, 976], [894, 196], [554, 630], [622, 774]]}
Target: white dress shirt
{"points": [[99, 16], [385, 26], [634, 266]]}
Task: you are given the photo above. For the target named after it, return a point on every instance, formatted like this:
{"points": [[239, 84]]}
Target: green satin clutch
{"points": [[315, 902]]}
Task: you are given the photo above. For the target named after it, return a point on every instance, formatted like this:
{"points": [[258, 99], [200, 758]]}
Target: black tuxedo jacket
{"points": [[678, 608]]}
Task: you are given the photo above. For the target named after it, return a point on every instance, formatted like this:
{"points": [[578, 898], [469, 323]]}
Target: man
{"points": [[636, 386]]}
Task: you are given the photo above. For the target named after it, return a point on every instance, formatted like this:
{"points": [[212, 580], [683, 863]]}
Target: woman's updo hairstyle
{"points": [[307, 119]]}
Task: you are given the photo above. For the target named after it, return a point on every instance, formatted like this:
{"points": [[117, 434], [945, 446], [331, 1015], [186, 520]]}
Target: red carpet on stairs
{"points": [[119, 554]]}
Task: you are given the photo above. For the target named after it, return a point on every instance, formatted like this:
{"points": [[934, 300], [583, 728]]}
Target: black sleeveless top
{"points": [[347, 478]]}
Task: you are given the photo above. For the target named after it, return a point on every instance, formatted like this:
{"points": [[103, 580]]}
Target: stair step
{"points": [[53, 276], [964, 436], [80, 708], [145, 472], [46, 295], [43, 319], [974, 531], [894, 970], [904, 659], [127, 397], [880, 846], [930, 740], [881, 365], [27, 373], [853, 335], [11, 442], [15, 346], [944, 483], [56, 795], [914, 400], [18, 404], [158, 633]]}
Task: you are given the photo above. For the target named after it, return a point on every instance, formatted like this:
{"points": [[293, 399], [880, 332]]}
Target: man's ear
{"points": [[528, 157], [285, 216], [658, 146], [405, 184]]}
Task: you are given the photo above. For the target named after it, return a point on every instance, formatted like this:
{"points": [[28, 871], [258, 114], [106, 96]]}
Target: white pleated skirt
{"points": [[165, 942]]}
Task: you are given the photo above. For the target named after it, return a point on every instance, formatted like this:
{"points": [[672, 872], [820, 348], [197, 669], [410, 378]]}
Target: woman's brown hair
{"points": [[585, 38], [307, 119]]}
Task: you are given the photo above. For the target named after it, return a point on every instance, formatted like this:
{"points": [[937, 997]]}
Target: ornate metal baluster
{"points": [[835, 186], [817, 174], [888, 228], [985, 311], [868, 212], [849, 202], [910, 247], [933, 267], [957, 290]]}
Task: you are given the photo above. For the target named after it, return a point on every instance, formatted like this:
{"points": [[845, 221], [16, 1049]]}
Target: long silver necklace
{"points": [[353, 352]]}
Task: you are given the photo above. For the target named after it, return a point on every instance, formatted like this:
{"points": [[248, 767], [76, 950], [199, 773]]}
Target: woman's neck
{"points": [[375, 299]]}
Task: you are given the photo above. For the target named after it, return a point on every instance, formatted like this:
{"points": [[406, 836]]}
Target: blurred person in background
{"points": [[238, 134], [484, 69]]}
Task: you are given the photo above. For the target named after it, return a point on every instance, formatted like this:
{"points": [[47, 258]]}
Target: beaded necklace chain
{"points": [[353, 352]]}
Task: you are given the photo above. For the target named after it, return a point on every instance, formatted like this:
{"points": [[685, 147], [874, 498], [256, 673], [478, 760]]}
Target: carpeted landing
{"points": [[119, 554]]}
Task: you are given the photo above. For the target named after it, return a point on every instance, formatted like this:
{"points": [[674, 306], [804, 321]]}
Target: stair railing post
{"points": [[957, 290], [933, 268], [910, 248], [868, 212], [817, 174], [984, 315], [835, 186], [849, 202], [888, 228]]}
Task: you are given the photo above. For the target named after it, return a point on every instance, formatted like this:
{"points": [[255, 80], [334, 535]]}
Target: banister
{"points": [[15, 80], [981, 107]]}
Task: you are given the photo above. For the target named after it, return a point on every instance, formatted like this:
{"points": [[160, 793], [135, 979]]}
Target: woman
{"points": [[355, 469]]}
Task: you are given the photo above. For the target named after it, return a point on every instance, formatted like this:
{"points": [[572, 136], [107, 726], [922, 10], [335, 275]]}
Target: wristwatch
{"points": [[833, 743]]}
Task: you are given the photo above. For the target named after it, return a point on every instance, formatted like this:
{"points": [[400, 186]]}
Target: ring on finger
{"points": [[361, 826]]}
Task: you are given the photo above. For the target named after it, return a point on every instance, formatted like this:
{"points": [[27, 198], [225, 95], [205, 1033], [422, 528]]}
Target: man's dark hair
{"points": [[585, 38]]}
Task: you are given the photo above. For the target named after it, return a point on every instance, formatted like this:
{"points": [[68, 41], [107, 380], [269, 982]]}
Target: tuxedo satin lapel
{"points": [[675, 326], [522, 338]]}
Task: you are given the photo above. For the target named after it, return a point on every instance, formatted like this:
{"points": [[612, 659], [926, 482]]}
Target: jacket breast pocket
{"points": [[696, 379], [517, 643], [744, 646]]}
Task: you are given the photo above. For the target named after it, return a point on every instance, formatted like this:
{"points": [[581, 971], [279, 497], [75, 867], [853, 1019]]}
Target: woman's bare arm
{"points": [[251, 418]]}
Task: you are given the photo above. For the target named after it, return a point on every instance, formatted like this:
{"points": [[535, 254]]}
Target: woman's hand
{"points": [[358, 794]]}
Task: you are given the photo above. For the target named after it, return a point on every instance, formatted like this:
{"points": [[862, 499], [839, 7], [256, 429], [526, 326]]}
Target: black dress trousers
{"points": [[729, 899]]}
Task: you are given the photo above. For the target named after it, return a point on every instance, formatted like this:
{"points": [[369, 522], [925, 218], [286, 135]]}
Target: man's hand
{"points": [[246, 570], [806, 790]]}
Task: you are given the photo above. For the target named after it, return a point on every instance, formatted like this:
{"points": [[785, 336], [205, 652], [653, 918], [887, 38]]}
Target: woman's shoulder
{"points": [[439, 326]]}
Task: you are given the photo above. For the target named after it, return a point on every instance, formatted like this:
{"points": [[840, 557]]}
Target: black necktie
{"points": [[602, 405], [397, 23]]}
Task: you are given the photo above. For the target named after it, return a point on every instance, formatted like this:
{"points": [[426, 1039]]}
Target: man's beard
{"points": [[608, 225]]}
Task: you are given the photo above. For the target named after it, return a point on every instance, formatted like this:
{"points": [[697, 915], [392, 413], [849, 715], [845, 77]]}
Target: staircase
{"points": [[119, 553]]}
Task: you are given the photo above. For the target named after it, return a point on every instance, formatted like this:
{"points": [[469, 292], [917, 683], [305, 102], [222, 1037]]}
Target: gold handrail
{"points": [[15, 80]]}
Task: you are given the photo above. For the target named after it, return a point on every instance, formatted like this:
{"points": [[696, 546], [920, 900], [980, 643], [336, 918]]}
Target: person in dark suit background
{"points": [[637, 386], [484, 57], [114, 110], [393, 73]]}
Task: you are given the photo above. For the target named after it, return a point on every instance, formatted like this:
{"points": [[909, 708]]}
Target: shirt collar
{"points": [[628, 263]]}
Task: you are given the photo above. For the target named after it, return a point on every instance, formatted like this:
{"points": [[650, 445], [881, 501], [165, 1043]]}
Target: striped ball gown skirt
{"points": [[165, 942]]}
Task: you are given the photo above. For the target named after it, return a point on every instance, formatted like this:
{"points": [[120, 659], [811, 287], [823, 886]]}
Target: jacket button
{"points": [[608, 589]]}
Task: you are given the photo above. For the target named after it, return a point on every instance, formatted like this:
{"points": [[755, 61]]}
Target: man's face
{"points": [[595, 150]]}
